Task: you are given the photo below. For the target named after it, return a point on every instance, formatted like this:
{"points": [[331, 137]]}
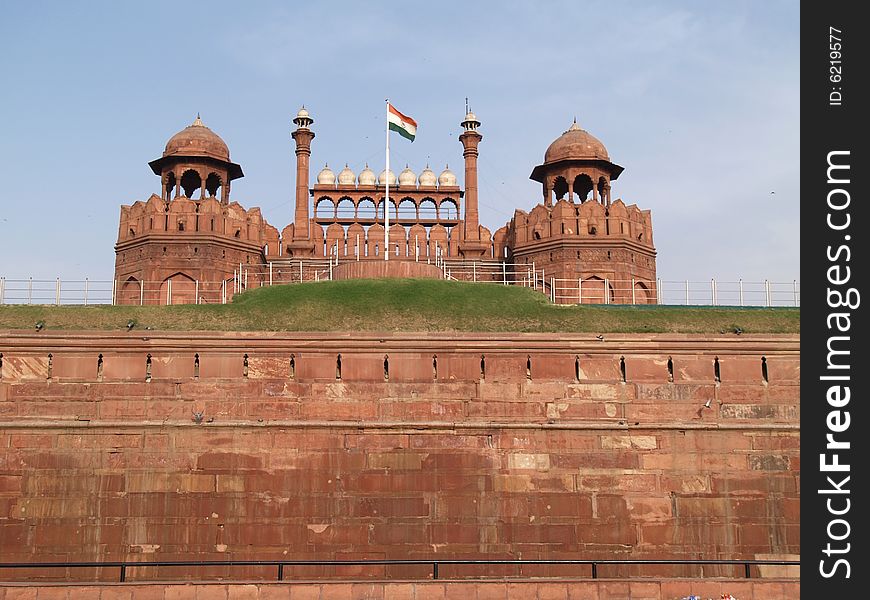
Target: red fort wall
{"points": [[146, 446]]}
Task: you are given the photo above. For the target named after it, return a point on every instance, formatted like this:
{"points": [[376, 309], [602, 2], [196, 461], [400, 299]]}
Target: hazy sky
{"points": [[699, 101]]}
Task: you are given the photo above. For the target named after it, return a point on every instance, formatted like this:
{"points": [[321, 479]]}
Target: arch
{"points": [[356, 239], [593, 291], [448, 209], [190, 182], [169, 185], [375, 240], [582, 186], [437, 239], [560, 187], [335, 240], [398, 241], [417, 239], [324, 208], [407, 209], [212, 184], [183, 290], [130, 291], [365, 209], [428, 209], [642, 293], [345, 210]]}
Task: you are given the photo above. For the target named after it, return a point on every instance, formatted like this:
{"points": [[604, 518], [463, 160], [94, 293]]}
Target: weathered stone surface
{"points": [[452, 466]]}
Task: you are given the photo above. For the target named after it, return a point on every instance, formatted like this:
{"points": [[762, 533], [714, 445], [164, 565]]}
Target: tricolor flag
{"points": [[402, 124]]}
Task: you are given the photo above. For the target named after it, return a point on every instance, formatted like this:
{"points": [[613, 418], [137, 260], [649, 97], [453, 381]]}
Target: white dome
{"points": [[427, 178], [407, 178], [367, 176], [346, 177], [447, 177], [326, 176], [382, 177], [302, 113]]}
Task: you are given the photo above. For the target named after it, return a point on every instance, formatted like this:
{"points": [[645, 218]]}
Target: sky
{"points": [[699, 101]]}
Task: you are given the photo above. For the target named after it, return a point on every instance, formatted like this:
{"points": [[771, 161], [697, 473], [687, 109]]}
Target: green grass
{"points": [[405, 305]]}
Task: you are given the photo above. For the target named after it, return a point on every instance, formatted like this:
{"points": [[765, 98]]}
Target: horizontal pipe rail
{"points": [[710, 292], [435, 564]]}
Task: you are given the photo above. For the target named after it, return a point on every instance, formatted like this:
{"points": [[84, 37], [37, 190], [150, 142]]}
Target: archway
{"points": [[642, 294], [324, 208], [181, 290], [448, 209], [130, 292], [582, 186], [212, 184], [560, 187], [593, 291], [365, 211], [190, 182]]}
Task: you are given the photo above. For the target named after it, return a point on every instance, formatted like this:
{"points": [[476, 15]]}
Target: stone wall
{"points": [[145, 446], [520, 590]]}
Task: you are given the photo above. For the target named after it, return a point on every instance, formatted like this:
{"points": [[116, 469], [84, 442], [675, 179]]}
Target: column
{"points": [[303, 137], [470, 139]]}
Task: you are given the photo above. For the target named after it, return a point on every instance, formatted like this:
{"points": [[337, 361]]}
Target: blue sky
{"points": [[699, 101]]}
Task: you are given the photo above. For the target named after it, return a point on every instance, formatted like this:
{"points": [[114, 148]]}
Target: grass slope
{"points": [[405, 305]]}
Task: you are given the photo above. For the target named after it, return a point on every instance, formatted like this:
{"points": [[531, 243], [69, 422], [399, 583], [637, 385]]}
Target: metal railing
{"points": [[676, 293], [435, 564], [183, 290]]}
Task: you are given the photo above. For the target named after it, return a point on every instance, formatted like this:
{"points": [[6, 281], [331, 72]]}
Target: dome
{"points": [[326, 176], [346, 177], [197, 140], [576, 144], [382, 177], [427, 178], [447, 177], [407, 178], [367, 176], [303, 118]]}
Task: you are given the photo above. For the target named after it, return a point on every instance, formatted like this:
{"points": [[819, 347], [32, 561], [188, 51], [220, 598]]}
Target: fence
{"points": [[184, 290], [435, 571]]}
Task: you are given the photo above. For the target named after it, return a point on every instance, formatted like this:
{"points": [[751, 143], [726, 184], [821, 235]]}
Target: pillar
{"points": [[302, 136], [470, 139]]}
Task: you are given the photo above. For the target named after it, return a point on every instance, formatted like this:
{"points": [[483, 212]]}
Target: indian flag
{"points": [[402, 124]]}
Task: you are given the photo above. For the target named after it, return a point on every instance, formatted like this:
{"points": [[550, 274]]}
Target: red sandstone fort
{"points": [[139, 448], [191, 240]]}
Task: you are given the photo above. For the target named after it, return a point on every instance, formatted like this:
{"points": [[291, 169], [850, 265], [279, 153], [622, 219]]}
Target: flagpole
{"points": [[387, 188]]}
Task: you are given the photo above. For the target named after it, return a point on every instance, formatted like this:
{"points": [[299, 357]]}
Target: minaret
{"points": [[471, 233], [302, 136]]}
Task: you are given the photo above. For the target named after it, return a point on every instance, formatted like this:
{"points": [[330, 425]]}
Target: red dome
{"points": [[197, 140], [576, 144]]}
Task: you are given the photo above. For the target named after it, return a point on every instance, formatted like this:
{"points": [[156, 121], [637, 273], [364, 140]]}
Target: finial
{"points": [[197, 122], [574, 126]]}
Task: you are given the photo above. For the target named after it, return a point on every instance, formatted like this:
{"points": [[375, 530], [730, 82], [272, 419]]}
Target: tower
{"points": [[301, 242], [185, 245], [578, 233], [576, 163], [196, 164], [471, 246]]}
